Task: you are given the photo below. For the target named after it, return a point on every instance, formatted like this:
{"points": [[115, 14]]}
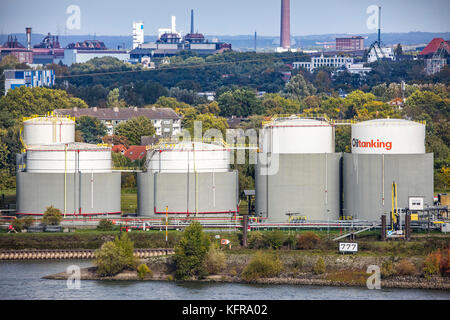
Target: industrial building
{"points": [[350, 43], [298, 171], [188, 180], [385, 151], [171, 42], [29, 78], [76, 178]]}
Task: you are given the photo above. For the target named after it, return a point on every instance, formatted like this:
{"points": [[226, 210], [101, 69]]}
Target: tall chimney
{"points": [[192, 21], [28, 30], [285, 38]]}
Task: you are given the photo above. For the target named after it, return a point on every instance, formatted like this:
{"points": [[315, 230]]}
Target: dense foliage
{"points": [[115, 256], [191, 252]]}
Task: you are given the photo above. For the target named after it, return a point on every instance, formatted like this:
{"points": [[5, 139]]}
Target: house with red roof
{"points": [[119, 148], [436, 55], [136, 153]]}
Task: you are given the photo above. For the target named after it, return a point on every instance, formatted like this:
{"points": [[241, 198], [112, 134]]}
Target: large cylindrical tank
{"points": [[48, 130], [184, 157], [297, 172], [385, 151], [297, 135], [188, 179], [71, 157], [388, 136]]}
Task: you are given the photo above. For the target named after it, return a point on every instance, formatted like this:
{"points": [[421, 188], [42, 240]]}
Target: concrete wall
{"points": [[363, 187], [217, 193], [36, 191], [299, 187]]}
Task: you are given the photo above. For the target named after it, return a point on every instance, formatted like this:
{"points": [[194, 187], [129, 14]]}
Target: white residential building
{"points": [[322, 61]]}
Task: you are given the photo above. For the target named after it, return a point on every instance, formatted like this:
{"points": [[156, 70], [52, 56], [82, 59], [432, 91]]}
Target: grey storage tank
{"points": [[188, 180], [297, 172], [385, 151], [76, 178]]}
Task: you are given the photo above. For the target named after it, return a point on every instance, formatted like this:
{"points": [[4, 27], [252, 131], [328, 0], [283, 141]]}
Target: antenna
{"points": [[379, 26]]}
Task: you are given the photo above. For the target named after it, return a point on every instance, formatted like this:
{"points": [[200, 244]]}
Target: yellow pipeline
{"points": [[65, 180]]}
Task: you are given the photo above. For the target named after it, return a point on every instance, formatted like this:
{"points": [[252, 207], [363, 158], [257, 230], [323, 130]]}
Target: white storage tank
{"points": [[70, 157], [188, 178], [180, 157], [297, 135], [297, 173], [388, 136], [385, 151], [48, 130]]}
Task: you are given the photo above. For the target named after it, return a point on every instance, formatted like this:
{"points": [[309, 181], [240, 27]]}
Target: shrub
{"points": [[191, 251], [274, 239], [437, 262], [52, 216], [308, 240], [215, 260], [17, 225], [405, 268], [115, 256], [319, 267], [387, 269], [256, 240], [262, 266], [290, 241], [27, 222], [105, 225], [143, 271]]}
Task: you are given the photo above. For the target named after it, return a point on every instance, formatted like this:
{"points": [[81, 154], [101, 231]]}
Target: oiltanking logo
{"points": [[373, 144]]}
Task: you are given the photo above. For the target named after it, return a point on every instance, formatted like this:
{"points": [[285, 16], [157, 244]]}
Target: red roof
{"points": [[119, 148], [434, 45], [136, 152]]}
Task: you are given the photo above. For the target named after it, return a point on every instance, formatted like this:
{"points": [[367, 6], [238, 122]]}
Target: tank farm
{"points": [[299, 178]]}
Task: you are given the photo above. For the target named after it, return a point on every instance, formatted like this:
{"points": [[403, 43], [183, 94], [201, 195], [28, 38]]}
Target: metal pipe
{"points": [[65, 180]]}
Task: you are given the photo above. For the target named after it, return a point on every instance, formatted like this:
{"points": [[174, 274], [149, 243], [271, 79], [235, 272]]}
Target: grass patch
{"points": [[128, 202]]}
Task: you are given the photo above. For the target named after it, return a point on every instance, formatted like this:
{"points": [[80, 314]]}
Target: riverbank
{"points": [[341, 271]]}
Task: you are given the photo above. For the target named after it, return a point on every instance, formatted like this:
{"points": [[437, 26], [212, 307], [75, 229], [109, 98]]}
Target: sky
{"points": [[220, 17]]}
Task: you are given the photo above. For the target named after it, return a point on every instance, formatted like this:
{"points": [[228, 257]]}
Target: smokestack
{"points": [[28, 30], [379, 26], [255, 41], [174, 24], [192, 21], [285, 38]]}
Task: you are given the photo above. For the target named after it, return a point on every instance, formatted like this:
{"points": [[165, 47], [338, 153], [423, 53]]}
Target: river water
{"points": [[23, 280]]}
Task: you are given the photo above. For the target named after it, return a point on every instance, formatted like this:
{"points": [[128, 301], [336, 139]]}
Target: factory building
{"points": [[188, 180], [298, 172], [28, 78], [76, 178], [385, 151], [350, 43], [171, 42]]}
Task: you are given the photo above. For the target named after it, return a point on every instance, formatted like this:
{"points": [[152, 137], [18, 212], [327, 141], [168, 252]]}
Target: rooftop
{"points": [[120, 113]]}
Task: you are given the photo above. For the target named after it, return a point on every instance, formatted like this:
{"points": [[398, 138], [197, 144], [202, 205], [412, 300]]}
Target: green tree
{"points": [[208, 120], [52, 216], [113, 100], [191, 251], [240, 102], [115, 256], [91, 128], [24, 101], [298, 88], [135, 128]]}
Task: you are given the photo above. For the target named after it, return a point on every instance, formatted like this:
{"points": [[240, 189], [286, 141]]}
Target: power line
{"points": [[168, 68]]}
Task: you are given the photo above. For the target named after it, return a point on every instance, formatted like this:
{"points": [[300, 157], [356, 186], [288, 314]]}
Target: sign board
{"points": [[414, 217], [351, 247], [224, 242], [217, 236], [415, 203]]}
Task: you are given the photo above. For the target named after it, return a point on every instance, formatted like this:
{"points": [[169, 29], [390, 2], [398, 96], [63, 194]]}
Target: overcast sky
{"points": [[222, 17]]}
